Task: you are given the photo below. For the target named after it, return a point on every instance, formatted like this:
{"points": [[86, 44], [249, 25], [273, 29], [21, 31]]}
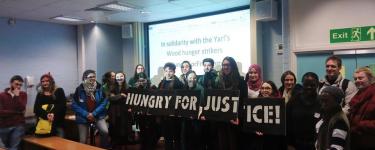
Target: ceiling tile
{"points": [[191, 3], [42, 10], [144, 3]]}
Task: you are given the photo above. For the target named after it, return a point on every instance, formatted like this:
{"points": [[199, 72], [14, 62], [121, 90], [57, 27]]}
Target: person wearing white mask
{"points": [[120, 118]]}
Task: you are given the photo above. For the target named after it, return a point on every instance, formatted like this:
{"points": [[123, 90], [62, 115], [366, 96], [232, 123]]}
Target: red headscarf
{"points": [[257, 84]]}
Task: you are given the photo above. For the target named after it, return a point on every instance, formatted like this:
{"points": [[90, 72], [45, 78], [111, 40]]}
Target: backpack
{"points": [[344, 86]]}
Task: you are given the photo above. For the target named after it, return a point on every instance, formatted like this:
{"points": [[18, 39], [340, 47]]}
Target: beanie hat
{"points": [[335, 92]]}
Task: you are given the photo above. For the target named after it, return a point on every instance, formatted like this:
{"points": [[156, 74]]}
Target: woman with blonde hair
{"points": [[362, 110]]}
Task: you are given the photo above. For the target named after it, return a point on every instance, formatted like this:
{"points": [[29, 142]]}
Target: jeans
{"points": [[10, 137], [101, 125]]}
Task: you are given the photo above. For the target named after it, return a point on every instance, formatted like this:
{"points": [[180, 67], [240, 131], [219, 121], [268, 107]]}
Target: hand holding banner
{"points": [[266, 115]]}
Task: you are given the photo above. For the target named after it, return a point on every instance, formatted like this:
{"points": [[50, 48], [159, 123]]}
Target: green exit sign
{"points": [[355, 34]]}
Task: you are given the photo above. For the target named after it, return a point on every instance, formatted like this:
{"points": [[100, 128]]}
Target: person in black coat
{"points": [[229, 79], [54, 96], [302, 113], [171, 126]]}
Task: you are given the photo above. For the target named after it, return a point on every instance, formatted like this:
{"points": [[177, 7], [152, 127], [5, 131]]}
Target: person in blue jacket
{"points": [[89, 106]]}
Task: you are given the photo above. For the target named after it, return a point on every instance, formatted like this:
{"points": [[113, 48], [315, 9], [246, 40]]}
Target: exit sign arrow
{"points": [[371, 31]]}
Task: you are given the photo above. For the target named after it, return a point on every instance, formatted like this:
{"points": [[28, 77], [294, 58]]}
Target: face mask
{"points": [[120, 78], [192, 80]]}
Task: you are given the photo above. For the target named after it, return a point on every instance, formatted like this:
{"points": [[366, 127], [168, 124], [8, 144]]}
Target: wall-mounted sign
{"points": [[354, 34]]}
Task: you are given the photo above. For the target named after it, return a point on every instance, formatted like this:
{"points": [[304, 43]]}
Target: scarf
{"points": [[89, 88]]}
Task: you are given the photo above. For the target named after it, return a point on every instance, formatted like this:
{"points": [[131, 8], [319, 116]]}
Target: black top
{"points": [[59, 110], [302, 113], [175, 83]]}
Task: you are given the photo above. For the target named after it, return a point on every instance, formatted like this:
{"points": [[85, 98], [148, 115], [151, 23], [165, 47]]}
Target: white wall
{"points": [[311, 21]]}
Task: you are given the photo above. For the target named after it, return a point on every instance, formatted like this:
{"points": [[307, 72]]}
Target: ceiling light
{"points": [[145, 12], [68, 18], [116, 6]]}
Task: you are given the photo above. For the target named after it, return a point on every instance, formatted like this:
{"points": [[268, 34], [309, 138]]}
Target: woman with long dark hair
{"points": [[289, 86], [120, 118], [108, 82], [229, 79]]}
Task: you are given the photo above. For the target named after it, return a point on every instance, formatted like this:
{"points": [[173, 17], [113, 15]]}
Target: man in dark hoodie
{"points": [[207, 80], [89, 106]]}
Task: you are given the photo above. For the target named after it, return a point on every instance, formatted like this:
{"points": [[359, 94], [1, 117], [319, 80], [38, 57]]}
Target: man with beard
{"points": [[334, 78], [185, 70], [12, 111], [207, 81], [89, 106]]}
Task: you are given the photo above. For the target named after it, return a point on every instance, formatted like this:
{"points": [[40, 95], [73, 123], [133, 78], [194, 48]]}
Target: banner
{"points": [[219, 105], [187, 103], [182, 103], [265, 115]]}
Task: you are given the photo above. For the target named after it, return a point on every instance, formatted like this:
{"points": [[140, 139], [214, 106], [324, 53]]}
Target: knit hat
{"points": [[335, 92]]}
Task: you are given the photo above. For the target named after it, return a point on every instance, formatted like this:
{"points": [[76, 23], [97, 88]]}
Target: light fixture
{"points": [[116, 6], [67, 18], [145, 12]]}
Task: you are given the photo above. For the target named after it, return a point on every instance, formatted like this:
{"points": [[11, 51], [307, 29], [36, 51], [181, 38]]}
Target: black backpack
{"points": [[344, 85]]}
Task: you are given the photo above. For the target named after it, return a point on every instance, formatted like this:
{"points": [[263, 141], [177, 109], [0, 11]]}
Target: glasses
{"points": [[225, 65], [266, 88], [91, 77]]}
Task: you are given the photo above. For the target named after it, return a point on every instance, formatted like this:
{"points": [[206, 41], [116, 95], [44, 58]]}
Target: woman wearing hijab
{"points": [[254, 80]]}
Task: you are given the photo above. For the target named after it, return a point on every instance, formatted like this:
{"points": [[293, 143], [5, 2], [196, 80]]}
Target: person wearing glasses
{"points": [[229, 79], [12, 110], [89, 106]]}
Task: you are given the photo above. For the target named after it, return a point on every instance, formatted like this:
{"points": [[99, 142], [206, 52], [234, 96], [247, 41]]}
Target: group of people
{"points": [[334, 113]]}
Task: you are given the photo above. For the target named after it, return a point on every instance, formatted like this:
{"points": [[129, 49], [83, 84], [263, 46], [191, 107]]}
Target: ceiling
{"points": [[43, 10]]}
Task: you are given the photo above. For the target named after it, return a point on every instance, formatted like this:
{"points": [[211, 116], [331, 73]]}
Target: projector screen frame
{"points": [[146, 31]]}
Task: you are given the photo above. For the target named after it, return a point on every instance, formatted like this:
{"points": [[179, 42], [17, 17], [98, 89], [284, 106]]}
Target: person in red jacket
{"points": [[362, 112], [12, 111]]}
